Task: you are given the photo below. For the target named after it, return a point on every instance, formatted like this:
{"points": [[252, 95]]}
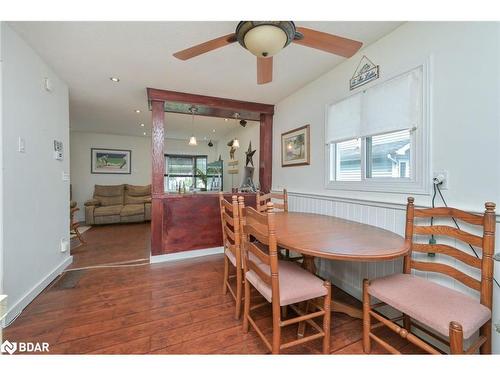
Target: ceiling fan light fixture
{"points": [[265, 38]]}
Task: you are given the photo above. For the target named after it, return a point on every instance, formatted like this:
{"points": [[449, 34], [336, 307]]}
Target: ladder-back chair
{"points": [[280, 201], [231, 238], [453, 315], [281, 283]]}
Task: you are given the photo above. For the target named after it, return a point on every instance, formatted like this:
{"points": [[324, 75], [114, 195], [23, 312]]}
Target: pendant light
{"points": [[192, 139], [236, 143]]}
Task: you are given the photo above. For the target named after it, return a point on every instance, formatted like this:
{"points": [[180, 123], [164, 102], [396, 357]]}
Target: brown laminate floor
{"points": [[163, 308], [111, 244]]}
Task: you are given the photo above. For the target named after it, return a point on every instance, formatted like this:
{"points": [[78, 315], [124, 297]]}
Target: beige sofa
{"points": [[113, 204]]}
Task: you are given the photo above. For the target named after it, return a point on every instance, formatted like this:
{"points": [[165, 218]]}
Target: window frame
{"points": [[419, 180], [194, 158]]}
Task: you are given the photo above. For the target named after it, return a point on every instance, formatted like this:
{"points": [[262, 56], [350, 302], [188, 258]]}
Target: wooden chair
{"points": [[73, 224], [280, 201], [232, 248], [281, 283], [455, 316]]}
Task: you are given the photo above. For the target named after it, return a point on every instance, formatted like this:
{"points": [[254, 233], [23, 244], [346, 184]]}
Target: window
{"points": [[376, 139], [185, 170], [348, 156]]}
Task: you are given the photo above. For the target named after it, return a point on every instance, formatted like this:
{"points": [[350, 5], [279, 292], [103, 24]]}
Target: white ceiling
{"points": [[86, 54]]}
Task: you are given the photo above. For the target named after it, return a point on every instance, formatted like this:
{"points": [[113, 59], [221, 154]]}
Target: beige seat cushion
{"points": [[296, 284], [138, 190], [132, 209], [137, 194], [108, 210], [431, 304]]}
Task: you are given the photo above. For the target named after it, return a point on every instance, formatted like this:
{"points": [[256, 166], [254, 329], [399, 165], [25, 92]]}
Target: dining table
{"points": [[329, 237]]}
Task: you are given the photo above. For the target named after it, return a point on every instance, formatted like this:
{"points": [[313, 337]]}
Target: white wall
{"points": [[181, 147], [82, 181], [35, 197], [244, 134], [464, 138]]}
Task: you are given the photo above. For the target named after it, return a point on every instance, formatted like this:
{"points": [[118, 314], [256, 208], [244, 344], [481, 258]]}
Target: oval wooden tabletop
{"points": [[334, 238]]}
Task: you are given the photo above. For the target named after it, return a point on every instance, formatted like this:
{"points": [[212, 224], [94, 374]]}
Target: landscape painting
{"points": [[110, 161], [295, 147]]}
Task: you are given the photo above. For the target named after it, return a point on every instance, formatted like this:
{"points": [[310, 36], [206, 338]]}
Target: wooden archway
{"points": [[162, 101]]}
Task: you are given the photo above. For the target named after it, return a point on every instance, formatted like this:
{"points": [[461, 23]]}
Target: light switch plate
{"points": [[21, 145]]}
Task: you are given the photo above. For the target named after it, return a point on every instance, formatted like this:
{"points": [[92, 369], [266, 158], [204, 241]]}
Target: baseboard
{"points": [[20, 305], [186, 255]]}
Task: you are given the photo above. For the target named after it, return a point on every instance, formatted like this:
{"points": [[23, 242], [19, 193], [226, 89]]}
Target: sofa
{"points": [[113, 204]]}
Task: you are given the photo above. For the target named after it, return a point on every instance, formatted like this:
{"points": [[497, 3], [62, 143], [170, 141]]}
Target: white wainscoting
{"points": [[349, 275]]}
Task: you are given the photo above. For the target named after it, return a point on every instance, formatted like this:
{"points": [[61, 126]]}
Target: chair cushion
{"points": [[430, 303], [296, 284], [108, 210], [132, 209]]}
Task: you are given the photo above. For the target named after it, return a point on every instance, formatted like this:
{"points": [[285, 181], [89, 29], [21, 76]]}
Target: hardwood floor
{"points": [[163, 308], [109, 244]]}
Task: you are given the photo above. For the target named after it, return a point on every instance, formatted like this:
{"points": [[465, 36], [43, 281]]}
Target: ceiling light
{"points": [[115, 79], [137, 111], [142, 125], [144, 133], [192, 141], [225, 120], [213, 130], [265, 38]]}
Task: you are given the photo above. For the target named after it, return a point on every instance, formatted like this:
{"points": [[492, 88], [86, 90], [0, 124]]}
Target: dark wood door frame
{"points": [[161, 101]]}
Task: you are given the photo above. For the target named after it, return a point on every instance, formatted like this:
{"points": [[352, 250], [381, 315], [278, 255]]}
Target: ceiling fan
{"points": [[264, 39]]}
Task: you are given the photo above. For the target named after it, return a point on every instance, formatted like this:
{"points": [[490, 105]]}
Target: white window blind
{"points": [[344, 119], [393, 105], [390, 106]]}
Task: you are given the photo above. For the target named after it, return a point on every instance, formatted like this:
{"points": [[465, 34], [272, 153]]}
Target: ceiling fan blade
{"points": [[206, 47], [264, 70], [328, 42]]}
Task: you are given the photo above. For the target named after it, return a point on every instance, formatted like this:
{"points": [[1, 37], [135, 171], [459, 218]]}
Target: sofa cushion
{"points": [[129, 199], [110, 201], [108, 210], [109, 195], [108, 190], [138, 191], [132, 209]]}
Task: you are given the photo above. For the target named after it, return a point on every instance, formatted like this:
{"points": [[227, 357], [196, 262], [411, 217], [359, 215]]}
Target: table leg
{"points": [[336, 306]]}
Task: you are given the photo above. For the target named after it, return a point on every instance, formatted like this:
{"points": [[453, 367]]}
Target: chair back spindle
{"points": [[279, 200], [486, 243]]}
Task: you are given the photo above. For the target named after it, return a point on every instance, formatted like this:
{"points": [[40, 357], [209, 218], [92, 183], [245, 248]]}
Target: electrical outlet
{"points": [[441, 178]]}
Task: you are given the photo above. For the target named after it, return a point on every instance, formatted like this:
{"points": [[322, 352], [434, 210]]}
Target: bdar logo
{"points": [[8, 347]]}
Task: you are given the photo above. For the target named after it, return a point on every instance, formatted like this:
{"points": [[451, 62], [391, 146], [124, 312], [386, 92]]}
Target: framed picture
{"points": [[295, 147], [109, 161]]}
